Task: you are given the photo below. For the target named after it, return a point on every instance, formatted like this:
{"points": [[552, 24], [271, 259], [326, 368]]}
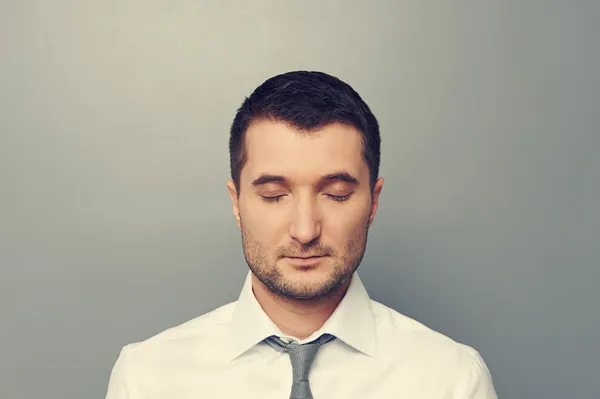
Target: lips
{"points": [[304, 262]]}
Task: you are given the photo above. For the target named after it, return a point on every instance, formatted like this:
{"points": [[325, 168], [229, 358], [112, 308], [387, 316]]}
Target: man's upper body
{"points": [[304, 156], [378, 353]]}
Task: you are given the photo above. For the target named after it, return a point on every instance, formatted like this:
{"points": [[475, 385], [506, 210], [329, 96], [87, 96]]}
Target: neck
{"points": [[297, 317]]}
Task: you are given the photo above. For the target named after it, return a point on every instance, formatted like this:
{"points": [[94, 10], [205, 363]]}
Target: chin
{"points": [[290, 280], [308, 285]]}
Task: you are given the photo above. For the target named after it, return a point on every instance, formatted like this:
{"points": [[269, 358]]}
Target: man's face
{"points": [[304, 208]]}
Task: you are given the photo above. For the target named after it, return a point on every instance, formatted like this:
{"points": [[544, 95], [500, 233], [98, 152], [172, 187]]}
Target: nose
{"points": [[305, 226]]}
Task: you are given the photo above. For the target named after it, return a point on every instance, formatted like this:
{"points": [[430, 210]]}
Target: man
{"points": [[304, 151]]}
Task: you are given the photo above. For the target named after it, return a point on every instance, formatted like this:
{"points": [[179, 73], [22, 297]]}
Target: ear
{"points": [[235, 201], [375, 199]]}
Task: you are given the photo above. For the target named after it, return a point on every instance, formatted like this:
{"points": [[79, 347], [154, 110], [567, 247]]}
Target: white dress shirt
{"points": [[378, 353]]}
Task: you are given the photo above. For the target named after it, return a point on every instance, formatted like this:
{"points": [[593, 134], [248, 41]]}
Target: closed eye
{"points": [[272, 199], [340, 198], [277, 198]]}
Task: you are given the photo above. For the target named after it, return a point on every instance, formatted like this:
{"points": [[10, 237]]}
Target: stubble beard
{"points": [[264, 265]]}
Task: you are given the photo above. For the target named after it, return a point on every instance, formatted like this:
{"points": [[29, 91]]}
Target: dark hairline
{"points": [[243, 153]]}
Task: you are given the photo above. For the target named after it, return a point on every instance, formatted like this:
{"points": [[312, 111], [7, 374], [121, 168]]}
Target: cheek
{"points": [[263, 223], [347, 227], [347, 221]]}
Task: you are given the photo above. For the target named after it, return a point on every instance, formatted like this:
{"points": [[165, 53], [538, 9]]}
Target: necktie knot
{"points": [[302, 357]]}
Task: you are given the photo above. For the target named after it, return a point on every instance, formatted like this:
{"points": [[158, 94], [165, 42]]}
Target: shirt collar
{"points": [[352, 322]]}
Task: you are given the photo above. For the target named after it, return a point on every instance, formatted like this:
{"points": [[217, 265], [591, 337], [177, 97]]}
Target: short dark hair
{"points": [[306, 101]]}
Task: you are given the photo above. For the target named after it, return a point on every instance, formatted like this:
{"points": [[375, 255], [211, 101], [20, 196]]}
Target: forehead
{"points": [[277, 148]]}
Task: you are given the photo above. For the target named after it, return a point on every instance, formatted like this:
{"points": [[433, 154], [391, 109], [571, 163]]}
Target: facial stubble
{"points": [[265, 268]]}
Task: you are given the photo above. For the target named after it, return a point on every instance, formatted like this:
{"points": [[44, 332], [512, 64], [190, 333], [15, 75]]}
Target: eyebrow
{"points": [[342, 176], [264, 179]]}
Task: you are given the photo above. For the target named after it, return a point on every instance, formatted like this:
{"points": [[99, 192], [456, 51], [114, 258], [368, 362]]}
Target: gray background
{"points": [[114, 218]]}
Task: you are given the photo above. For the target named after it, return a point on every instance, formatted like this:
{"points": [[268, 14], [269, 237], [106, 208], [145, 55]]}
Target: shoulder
{"points": [[175, 344], [412, 338], [139, 363], [431, 354], [204, 324]]}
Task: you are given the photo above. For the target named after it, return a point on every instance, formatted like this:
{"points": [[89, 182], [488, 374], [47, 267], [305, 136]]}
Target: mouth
{"points": [[305, 261], [305, 257]]}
